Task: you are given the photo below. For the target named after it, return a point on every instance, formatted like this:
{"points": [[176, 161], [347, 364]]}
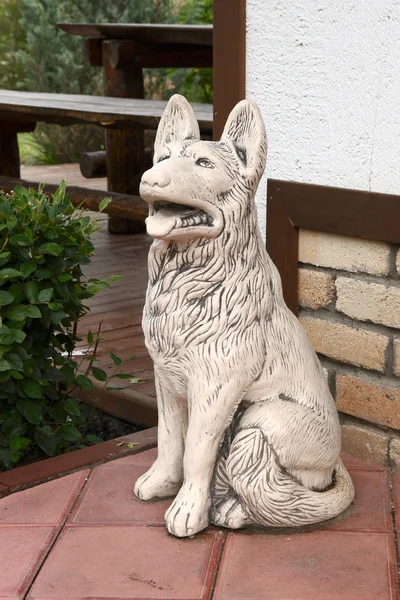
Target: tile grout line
{"points": [[56, 537], [218, 568], [394, 528]]}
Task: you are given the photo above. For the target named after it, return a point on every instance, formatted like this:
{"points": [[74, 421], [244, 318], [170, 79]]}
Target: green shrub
{"points": [[44, 243]]}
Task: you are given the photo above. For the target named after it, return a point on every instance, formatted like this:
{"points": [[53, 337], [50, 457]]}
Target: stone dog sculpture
{"points": [[248, 430]]}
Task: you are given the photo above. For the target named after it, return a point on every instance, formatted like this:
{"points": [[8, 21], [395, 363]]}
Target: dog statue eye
{"points": [[165, 157], [204, 162]]}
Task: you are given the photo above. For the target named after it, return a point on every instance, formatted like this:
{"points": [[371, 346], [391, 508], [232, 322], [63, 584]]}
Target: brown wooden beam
{"points": [[229, 63], [92, 52], [9, 150], [124, 147], [128, 53], [122, 205]]}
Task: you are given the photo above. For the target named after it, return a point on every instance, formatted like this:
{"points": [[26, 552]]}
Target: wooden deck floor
{"points": [[119, 308], [55, 173]]}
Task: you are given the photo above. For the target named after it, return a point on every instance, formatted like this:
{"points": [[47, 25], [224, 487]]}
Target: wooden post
{"points": [[124, 147], [9, 151], [229, 59]]}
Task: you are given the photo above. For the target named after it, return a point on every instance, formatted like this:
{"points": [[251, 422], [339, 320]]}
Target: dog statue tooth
{"points": [[248, 430]]}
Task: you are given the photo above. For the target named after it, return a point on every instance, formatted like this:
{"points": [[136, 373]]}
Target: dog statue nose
{"points": [[155, 176]]}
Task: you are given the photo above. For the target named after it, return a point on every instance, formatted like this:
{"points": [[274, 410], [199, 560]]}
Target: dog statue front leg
{"points": [[210, 413], [164, 478]]}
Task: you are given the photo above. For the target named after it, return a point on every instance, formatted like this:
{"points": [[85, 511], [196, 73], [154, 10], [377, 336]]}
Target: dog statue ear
{"points": [[245, 129], [177, 123]]}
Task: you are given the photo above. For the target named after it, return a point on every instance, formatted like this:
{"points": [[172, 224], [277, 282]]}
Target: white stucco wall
{"points": [[326, 75]]}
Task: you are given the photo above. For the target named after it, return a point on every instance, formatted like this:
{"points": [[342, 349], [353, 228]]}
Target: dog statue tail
{"points": [[268, 495]]}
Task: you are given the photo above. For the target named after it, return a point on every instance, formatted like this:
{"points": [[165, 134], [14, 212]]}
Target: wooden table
{"points": [[123, 50]]}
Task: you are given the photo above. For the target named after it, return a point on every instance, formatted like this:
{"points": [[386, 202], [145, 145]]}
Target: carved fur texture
{"points": [[248, 430]]}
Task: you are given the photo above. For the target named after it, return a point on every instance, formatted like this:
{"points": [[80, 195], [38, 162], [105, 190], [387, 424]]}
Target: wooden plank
{"points": [[122, 205], [121, 318], [9, 151], [101, 110], [124, 147], [129, 53], [282, 245], [229, 66], [92, 52], [357, 213], [144, 32], [55, 173]]}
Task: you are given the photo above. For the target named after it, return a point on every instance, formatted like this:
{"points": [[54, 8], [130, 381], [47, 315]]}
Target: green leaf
{"points": [[31, 291], [5, 457], [4, 255], [15, 361], [33, 312], [104, 203], [9, 273], [5, 298], [116, 359], [50, 248], [19, 443], [16, 313], [71, 406], [94, 288], [4, 365], [69, 433], [90, 337], [33, 411], [20, 239], [99, 374], [46, 440], [45, 295], [93, 439], [123, 375], [17, 336], [27, 268], [64, 277], [115, 278], [84, 382], [32, 389], [16, 375]]}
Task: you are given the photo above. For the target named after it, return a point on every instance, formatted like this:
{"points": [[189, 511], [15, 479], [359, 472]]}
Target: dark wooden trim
{"points": [[229, 62], [292, 206], [128, 53]]}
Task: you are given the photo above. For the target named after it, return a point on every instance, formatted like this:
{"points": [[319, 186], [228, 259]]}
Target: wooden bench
{"points": [[20, 111]]}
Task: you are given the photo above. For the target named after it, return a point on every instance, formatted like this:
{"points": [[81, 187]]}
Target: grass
{"points": [[31, 152]]}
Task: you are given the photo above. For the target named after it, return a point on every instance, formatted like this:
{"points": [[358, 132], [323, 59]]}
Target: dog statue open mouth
{"points": [[248, 430]]}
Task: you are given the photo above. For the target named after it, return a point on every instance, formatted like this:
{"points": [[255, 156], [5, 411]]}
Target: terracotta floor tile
{"points": [[352, 462], [108, 498], [370, 510], [45, 504], [142, 459], [21, 552], [313, 566], [128, 562]]}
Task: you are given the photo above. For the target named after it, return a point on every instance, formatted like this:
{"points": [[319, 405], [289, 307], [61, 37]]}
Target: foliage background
{"points": [[37, 56]]}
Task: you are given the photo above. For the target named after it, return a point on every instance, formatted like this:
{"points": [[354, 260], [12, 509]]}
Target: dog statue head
{"points": [[195, 187]]}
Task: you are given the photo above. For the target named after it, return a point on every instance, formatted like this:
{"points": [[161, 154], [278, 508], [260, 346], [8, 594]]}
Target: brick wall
{"points": [[349, 304]]}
